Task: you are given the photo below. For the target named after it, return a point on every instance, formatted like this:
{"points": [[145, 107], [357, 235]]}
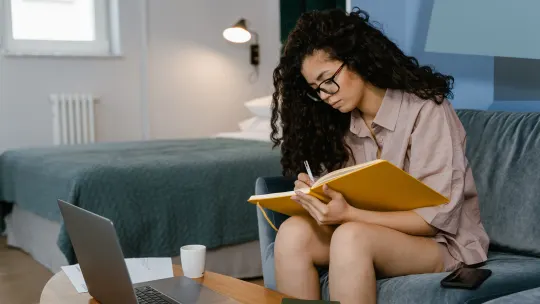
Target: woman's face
{"points": [[318, 68]]}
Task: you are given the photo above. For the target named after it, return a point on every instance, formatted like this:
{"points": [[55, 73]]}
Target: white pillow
{"points": [[260, 106], [256, 124], [245, 135]]}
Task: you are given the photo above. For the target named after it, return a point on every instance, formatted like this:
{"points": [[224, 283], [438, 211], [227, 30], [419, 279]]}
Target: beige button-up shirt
{"points": [[428, 141]]}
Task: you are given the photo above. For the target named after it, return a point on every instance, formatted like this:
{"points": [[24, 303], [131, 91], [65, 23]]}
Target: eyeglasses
{"points": [[328, 86]]}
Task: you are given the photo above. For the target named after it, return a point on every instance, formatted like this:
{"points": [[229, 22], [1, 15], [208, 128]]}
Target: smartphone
{"points": [[468, 278]]}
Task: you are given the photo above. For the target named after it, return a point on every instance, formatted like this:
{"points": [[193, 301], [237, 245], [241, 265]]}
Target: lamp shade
{"points": [[238, 33]]}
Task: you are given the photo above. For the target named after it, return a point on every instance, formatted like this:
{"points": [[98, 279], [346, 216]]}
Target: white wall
{"points": [[26, 82], [197, 81]]}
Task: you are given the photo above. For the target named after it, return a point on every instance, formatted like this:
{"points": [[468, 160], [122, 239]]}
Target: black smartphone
{"points": [[468, 278]]}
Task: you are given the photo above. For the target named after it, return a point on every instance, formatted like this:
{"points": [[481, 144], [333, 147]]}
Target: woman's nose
{"points": [[324, 96]]}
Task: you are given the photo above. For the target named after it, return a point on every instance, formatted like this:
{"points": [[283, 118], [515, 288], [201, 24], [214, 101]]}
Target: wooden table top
{"points": [[59, 289]]}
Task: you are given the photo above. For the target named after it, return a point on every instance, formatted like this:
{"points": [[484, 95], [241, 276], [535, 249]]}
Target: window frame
{"points": [[104, 45]]}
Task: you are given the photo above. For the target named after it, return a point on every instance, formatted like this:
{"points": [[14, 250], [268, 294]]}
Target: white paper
{"points": [[75, 276], [149, 269], [140, 270]]}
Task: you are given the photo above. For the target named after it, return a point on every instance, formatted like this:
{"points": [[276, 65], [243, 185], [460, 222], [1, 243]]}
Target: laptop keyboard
{"points": [[148, 295]]}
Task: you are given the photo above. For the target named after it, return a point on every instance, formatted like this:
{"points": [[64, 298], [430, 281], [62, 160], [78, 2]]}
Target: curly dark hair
{"points": [[313, 131]]}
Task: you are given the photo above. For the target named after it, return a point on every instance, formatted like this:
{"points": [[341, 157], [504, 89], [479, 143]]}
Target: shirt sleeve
{"points": [[437, 158]]}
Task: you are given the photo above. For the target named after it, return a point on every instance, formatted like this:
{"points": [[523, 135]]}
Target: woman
{"points": [[348, 95]]}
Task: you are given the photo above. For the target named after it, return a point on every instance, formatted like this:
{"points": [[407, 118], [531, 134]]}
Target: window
{"points": [[61, 27]]}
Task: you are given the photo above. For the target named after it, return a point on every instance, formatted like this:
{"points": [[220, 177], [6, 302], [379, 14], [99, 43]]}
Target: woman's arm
{"points": [[338, 211], [408, 222]]}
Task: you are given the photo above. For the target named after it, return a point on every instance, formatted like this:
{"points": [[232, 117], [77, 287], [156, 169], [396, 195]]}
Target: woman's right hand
{"points": [[302, 181]]}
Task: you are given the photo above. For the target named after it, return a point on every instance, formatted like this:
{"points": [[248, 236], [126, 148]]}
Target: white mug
{"points": [[193, 259]]}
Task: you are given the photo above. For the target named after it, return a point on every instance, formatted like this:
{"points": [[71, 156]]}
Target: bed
{"points": [[160, 195]]}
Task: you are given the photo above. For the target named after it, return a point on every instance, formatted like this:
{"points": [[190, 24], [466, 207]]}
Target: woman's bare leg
{"points": [[300, 245], [358, 251]]}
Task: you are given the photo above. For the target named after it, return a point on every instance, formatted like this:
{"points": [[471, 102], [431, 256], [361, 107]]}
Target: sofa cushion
{"points": [[503, 149], [511, 273], [531, 296]]}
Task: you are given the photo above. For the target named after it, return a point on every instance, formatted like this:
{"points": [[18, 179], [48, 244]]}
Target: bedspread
{"points": [[159, 194]]}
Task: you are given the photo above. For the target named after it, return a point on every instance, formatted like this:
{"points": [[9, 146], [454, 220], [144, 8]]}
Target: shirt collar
{"points": [[386, 117], [388, 113], [358, 126]]}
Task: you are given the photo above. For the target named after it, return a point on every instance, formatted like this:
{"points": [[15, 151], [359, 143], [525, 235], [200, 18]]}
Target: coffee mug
{"points": [[193, 260]]}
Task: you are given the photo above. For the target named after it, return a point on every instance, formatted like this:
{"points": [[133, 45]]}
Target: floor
{"points": [[22, 278]]}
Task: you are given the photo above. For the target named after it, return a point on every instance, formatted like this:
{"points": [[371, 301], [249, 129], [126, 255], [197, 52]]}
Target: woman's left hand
{"points": [[335, 212]]}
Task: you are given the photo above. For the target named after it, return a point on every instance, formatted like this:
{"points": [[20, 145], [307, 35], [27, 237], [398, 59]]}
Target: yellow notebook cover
{"points": [[377, 185]]}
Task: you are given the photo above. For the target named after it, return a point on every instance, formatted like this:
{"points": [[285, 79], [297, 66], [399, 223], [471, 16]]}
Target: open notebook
{"points": [[377, 185]]}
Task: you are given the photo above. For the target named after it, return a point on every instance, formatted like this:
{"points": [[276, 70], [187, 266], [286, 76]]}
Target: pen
{"points": [[309, 171]]}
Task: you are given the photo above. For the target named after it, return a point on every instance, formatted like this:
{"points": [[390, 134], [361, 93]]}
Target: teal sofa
{"points": [[503, 149], [531, 296]]}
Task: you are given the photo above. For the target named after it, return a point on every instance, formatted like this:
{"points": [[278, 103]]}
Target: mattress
{"points": [[37, 236]]}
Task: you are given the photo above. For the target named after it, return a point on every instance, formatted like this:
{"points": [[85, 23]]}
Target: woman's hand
{"points": [[303, 181], [333, 213]]}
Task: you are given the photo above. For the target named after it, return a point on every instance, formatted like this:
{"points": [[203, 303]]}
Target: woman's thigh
{"points": [[393, 253]]}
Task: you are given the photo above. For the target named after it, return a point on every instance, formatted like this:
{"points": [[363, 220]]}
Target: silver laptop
{"points": [[105, 272]]}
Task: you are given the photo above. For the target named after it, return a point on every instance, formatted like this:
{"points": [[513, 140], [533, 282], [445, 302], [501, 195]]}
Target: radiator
{"points": [[73, 119]]}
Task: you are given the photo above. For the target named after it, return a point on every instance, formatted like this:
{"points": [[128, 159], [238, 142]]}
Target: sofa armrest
{"points": [[267, 234]]}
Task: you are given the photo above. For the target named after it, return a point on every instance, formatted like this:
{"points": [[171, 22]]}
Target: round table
{"points": [[59, 289]]}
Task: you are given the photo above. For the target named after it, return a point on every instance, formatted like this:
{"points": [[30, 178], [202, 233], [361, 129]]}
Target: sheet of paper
{"points": [[75, 276], [149, 269], [140, 270]]}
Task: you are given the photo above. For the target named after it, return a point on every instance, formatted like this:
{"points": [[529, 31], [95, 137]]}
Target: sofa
{"points": [[503, 149], [531, 296]]}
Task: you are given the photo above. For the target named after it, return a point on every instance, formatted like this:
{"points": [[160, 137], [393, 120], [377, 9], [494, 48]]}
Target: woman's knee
{"points": [[352, 238], [294, 234]]}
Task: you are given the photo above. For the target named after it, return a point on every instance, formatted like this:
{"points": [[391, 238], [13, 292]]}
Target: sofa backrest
{"points": [[503, 149]]}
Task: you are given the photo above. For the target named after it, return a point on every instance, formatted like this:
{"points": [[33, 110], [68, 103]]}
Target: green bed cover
{"points": [[159, 194]]}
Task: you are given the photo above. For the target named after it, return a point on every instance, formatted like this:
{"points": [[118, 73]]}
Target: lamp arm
{"points": [[256, 36]]}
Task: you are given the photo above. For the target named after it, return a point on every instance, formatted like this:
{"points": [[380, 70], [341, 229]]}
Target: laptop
{"points": [[105, 272]]}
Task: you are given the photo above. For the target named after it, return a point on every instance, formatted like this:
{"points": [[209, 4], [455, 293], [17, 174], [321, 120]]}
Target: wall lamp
{"points": [[239, 33]]}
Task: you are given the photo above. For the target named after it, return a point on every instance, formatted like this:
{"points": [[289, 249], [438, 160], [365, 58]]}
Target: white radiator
{"points": [[73, 119]]}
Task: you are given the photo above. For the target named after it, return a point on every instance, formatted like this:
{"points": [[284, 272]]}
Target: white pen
{"points": [[309, 171]]}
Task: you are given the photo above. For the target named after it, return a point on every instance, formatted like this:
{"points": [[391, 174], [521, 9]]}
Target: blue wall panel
{"points": [[486, 27], [406, 22]]}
